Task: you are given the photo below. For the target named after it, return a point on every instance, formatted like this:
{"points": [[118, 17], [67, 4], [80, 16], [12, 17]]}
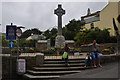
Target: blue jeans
{"points": [[95, 56]]}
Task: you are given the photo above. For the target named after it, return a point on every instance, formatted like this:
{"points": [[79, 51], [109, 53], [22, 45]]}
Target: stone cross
{"points": [[59, 12], [59, 40]]}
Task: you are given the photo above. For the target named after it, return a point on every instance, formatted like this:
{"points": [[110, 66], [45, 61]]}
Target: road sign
{"points": [[11, 32], [18, 32], [11, 44]]}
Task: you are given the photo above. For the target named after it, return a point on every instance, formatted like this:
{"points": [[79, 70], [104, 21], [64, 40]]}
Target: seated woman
{"points": [[96, 58]]}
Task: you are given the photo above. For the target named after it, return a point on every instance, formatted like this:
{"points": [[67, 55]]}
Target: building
{"points": [[35, 37], [104, 17]]}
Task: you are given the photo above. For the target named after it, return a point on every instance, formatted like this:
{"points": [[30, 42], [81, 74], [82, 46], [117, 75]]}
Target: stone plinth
{"points": [[59, 41]]}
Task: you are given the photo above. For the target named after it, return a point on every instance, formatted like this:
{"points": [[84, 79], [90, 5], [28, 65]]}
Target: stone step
{"points": [[72, 59], [49, 73], [61, 62], [63, 65], [32, 77], [59, 68]]}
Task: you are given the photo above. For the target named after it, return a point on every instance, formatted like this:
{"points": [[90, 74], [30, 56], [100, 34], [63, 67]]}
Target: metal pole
{"points": [[11, 76], [17, 48], [10, 64], [17, 54]]}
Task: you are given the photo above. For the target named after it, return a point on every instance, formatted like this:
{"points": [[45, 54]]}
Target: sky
{"points": [[41, 14]]}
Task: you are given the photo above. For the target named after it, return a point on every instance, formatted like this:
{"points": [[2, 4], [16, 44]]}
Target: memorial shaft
{"points": [[60, 40], [59, 12], [59, 25]]}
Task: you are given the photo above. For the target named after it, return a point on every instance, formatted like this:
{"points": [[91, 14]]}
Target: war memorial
{"points": [[38, 66]]}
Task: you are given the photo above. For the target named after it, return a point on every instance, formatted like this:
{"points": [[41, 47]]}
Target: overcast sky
{"points": [[41, 14]]}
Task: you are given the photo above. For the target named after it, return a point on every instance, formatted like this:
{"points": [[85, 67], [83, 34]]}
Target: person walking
{"points": [[65, 54]]}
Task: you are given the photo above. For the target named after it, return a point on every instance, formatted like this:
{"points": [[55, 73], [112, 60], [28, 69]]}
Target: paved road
{"points": [[109, 70]]}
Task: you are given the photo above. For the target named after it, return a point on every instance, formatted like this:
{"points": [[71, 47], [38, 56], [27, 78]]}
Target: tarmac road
{"points": [[109, 71]]}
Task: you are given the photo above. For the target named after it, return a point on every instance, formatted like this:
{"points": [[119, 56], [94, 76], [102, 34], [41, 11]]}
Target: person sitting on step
{"points": [[88, 60], [96, 58], [95, 55]]}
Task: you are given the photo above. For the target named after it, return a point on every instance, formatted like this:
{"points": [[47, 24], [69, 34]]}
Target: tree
{"points": [[82, 38], [4, 41], [28, 32], [87, 36], [47, 34], [51, 34], [72, 28]]}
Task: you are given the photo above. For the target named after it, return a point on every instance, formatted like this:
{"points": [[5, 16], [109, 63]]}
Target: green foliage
{"points": [[47, 34], [4, 41], [51, 34], [72, 28], [88, 35], [28, 32]]}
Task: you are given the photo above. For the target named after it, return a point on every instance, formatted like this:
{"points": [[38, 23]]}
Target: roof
{"points": [[35, 36], [95, 13]]}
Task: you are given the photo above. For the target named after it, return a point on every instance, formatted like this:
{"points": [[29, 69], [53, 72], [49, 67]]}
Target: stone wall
{"points": [[109, 58], [9, 64], [71, 45], [41, 46], [6, 50]]}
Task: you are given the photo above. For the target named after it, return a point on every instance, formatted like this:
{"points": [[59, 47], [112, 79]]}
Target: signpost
{"points": [[13, 32], [18, 35], [20, 62], [11, 35]]}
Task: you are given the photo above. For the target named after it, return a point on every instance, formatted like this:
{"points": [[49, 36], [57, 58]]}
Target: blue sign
{"points": [[11, 44], [11, 32]]}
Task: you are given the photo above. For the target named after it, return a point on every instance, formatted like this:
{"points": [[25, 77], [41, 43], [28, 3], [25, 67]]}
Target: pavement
{"points": [[107, 71]]}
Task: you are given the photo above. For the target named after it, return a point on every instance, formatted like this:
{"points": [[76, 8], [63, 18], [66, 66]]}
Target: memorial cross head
{"points": [[59, 11]]}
